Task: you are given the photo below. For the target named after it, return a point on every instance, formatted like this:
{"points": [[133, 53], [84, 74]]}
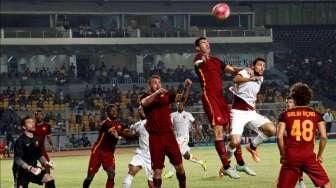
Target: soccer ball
{"points": [[221, 11]]}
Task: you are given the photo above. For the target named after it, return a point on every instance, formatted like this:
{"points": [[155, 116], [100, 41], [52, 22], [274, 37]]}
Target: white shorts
{"points": [[183, 144], [241, 118], [145, 163]]}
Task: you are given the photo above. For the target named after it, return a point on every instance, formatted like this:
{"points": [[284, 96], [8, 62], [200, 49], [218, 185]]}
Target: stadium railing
{"points": [[123, 33]]}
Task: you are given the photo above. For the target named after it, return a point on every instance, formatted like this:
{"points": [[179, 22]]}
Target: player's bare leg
{"points": [[110, 178], [157, 181], [132, 171], [180, 175], [192, 158], [234, 148], [327, 185], [221, 151], [265, 131]]}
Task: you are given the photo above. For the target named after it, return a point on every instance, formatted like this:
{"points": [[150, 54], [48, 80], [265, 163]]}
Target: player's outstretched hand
{"points": [[50, 164], [187, 82], [113, 132], [256, 78], [35, 170], [161, 91]]}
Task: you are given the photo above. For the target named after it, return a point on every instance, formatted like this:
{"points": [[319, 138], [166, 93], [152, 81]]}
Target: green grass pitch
{"points": [[70, 171]]}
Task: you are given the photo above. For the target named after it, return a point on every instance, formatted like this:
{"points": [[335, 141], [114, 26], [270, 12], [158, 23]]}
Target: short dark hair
{"points": [[289, 97], [301, 93], [109, 107], [258, 59], [38, 111], [154, 76], [23, 120], [197, 41]]}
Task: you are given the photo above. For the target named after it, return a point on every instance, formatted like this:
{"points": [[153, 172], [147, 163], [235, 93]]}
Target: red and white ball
{"points": [[221, 11]]}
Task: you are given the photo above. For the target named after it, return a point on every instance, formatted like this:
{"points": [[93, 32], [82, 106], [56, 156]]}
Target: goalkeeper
{"points": [[26, 155]]}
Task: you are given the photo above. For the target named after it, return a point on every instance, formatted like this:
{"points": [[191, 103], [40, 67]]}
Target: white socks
{"points": [[127, 183], [194, 159], [259, 139]]}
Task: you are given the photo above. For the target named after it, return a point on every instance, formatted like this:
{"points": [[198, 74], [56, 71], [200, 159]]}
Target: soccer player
{"points": [[102, 152], [156, 103], [182, 122], [297, 128], [43, 131], [210, 71], [142, 157], [289, 105], [247, 85], [26, 155]]}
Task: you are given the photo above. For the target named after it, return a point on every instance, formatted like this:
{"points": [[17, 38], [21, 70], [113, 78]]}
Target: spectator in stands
{"points": [[328, 117], [84, 140]]}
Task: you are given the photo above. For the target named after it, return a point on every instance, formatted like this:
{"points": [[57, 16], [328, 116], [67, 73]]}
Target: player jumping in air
{"points": [[210, 71], [247, 85]]}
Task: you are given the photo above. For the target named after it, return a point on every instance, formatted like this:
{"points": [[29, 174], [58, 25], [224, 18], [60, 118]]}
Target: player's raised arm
{"points": [[147, 101], [323, 138], [231, 69], [280, 139], [186, 91]]}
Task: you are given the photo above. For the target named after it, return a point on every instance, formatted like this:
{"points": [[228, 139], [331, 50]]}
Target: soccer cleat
{"points": [[254, 153], [245, 169], [204, 165], [169, 174], [300, 184], [231, 172]]}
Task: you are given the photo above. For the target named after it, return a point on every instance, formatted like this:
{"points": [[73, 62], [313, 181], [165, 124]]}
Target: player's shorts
{"points": [[23, 178], [183, 144], [216, 108], [98, 158], [161, 145], [290, 173], [240, 118], [145, 163]]}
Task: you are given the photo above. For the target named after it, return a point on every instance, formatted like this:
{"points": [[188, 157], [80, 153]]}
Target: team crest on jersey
{"points": [[184, 117], [44, 128]]}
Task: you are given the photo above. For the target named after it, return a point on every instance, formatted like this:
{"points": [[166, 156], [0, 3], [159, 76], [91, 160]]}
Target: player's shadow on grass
{"points": [[211, 178]]}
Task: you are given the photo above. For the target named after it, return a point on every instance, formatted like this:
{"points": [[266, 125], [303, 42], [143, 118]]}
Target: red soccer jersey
{"points": [[41, 131], [210, 73], [105, 140], [301, 128], [158, 114]]}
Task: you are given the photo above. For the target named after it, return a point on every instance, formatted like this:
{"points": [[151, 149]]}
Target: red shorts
{"points": [[98, 158], [161, 145], [290, 173], [216, 109]]}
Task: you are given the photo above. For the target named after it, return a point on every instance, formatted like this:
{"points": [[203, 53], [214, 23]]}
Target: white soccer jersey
{"points": [[182, 123], [247, 91], [139, 127]]}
